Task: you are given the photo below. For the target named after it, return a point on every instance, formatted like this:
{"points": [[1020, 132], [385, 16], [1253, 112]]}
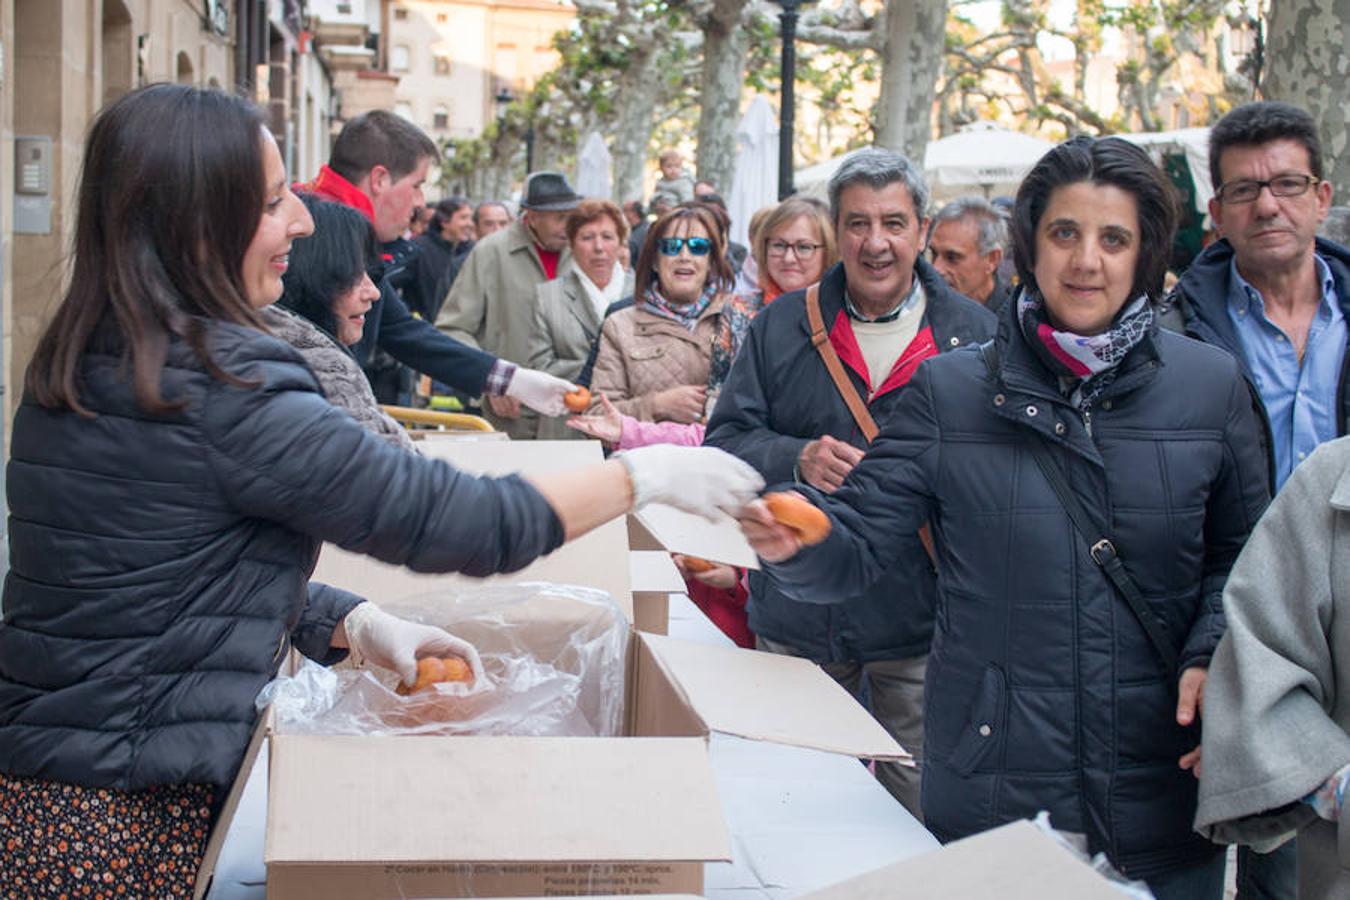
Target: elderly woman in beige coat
{"points": [[1277, 700], [654, 356], [570, 308]]}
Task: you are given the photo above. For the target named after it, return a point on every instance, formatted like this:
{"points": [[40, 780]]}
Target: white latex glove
{"points": [[376, 637], [700, 480], [540, 391]]}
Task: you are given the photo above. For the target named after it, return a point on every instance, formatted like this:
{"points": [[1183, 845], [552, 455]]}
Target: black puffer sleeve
{"points": [[281, 452]]}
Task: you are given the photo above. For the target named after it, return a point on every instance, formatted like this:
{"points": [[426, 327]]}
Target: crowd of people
{"points": [[1047, 461]]}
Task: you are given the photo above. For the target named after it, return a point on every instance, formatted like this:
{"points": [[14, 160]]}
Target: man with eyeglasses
{"points": [[883, 311], [1276, 296]]}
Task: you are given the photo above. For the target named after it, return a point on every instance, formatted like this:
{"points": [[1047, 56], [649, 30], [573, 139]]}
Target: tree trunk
{"points": [[638, 91], [1307, 64], [912, 62], [725, 45]]}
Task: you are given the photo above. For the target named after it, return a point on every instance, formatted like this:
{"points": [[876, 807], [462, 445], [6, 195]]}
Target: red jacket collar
{"points": [[845, 343], [329, 185]]}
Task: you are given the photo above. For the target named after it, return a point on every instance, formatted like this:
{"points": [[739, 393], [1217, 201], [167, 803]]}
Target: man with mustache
{"points": [[1276, 296]]}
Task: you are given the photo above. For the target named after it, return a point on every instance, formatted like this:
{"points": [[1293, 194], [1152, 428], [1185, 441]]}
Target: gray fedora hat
{"points": [[549, 192]]}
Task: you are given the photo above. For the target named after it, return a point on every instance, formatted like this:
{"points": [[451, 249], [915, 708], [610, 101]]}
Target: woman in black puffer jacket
{"points": [[173, 471], [1044, 690]]}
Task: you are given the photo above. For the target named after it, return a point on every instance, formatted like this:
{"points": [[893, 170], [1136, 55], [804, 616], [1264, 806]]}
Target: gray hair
{"points": [[877, 167], [988, 218], [1337, 225]]}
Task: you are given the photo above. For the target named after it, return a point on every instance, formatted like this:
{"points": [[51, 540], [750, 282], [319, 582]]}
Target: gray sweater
{"points": [[1277, 702]]}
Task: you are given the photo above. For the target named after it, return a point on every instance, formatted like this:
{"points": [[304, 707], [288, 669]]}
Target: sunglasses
{"points": [[670, 246]]}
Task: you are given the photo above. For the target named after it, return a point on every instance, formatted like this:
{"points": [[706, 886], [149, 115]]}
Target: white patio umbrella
{"points": [[755, 183], [593, 168], [981, 155]]}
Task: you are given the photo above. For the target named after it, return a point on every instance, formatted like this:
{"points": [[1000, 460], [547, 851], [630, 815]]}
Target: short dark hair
{"points": [[720, 272], [713, 204], [1111, 161], [380, 138], [328, 262], [635, 207], [170, 197], [1253, 124], [444, 211]]}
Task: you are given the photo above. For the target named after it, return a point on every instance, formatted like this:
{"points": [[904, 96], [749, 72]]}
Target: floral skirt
{"points": [[64, 840]]}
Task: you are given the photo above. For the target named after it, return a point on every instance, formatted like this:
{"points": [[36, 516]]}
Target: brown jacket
{"points": [[642, 353]]}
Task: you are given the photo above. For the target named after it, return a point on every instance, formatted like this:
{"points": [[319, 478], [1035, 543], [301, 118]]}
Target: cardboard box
{"points": [[1015, 862], [401, 817], [654, 578]]}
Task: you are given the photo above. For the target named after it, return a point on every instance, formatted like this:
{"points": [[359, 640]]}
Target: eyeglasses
{"points": [[670, 246], [1236, 192], [803, 249]]}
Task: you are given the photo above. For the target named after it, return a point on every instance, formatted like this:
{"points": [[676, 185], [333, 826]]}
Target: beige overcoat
{"points": [[491, 304], [566, 326]]}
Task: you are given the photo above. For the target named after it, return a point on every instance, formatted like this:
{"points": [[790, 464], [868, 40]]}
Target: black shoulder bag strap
{"points": [[1100, 548]]}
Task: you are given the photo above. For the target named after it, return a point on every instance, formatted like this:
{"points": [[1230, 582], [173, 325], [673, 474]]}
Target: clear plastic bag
{"points": [[553, 656]]}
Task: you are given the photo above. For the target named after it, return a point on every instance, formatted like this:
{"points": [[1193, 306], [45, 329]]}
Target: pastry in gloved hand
{"points": [[540, 391], [387, 641], [433, 670]]}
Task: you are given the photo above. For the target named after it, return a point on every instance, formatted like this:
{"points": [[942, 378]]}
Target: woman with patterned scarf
{"points": [[1089, 480], [654, 357]]}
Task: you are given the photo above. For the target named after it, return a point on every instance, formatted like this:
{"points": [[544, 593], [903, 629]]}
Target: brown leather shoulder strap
{"points": [[845, 387], [821, 339]]}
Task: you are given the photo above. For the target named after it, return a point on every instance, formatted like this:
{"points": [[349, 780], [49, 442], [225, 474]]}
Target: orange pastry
{"points": [[433, 670], [812, 525], [693, 565], [577, 401]]}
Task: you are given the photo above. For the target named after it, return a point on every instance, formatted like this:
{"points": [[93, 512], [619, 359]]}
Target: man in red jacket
{"points": [[378, 165]]}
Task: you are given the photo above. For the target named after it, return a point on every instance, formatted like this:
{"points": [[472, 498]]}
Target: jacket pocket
{"points": [[649, 352], [984, 727]]}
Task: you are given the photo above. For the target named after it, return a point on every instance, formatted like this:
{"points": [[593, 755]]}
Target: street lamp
{"points": [[787, 107], [504, 98]]}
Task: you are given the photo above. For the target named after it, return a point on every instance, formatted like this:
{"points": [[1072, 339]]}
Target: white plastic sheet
{"points": [[553, 657]]}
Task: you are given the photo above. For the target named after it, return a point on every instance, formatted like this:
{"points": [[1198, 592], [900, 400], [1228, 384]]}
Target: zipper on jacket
{"points": [[1087, 421]]}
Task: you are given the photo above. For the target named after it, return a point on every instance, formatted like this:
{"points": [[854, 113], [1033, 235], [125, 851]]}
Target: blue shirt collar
{"points": [[1241, 294]]}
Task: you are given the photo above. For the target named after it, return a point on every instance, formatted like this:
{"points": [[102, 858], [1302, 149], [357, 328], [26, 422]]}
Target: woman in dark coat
{"points": [[174, 469], [1044, 690]]}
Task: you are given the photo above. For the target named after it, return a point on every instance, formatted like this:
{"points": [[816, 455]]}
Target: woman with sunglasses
{"points": [[654, 357]]}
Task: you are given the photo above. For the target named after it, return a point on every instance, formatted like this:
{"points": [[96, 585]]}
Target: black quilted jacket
{"points": [[159, 565], [1043, 691]]}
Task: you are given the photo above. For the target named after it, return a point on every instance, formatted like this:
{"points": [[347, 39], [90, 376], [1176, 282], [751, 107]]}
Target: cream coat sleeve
{"points": [[465, 308]]}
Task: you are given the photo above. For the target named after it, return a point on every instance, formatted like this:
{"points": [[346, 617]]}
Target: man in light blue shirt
{"points": [[1298, 390], [1276, 297]]}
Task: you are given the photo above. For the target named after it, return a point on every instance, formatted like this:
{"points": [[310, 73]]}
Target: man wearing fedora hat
{"points": [[491, 303], [378, 164]]}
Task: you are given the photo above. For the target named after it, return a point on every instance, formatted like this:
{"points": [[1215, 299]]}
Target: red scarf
{"points": [[329, 185]]}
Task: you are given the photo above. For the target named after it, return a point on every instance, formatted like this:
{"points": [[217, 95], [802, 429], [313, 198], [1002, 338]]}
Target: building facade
{"points": [[453, 58]]}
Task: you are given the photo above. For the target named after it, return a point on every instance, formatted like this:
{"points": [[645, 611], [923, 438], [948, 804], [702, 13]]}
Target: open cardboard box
{"points": [[512, 816], [1017, 861]]}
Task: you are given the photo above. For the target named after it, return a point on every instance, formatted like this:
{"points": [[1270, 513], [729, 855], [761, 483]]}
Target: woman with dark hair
{"points": [[174, 469], [322, 311], [1089, 480], [654, 356]]}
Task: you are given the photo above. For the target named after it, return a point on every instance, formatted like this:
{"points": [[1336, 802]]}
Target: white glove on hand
{"points": [[376, 637], [700, 480], [540, 391]]}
